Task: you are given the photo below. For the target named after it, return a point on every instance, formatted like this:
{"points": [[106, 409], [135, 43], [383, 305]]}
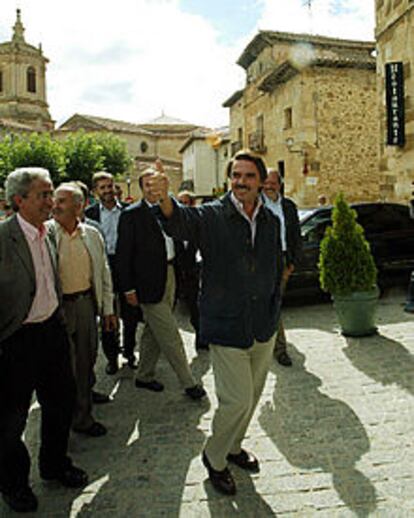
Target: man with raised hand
{"points": [[239, 241]]}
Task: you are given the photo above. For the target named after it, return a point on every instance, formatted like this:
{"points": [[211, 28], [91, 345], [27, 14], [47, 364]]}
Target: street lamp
{"points": [[128, 182]]}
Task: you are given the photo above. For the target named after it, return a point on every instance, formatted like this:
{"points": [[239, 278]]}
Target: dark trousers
{"points": [[130, 318], [35, 358]]}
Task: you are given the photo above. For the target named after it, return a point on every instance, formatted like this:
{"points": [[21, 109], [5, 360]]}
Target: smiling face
{"points": [[35, 207], [271, 186], [245, 181], [147, 189], [105, 191], [66, 210]]}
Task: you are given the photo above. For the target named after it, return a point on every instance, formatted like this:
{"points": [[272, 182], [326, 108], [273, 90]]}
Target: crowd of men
{"points": [[62, 276]]}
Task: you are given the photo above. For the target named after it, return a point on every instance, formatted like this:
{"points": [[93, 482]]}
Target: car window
{"points": [[384, 218], [313, 228]]}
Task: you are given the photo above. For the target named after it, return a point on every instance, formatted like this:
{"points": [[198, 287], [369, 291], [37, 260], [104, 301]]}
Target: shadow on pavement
{"points": [[383, 360], [315, 432]]}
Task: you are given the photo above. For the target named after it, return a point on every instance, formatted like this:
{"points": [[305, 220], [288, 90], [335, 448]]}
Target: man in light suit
{"points": [[87, 293], [34, 352]]}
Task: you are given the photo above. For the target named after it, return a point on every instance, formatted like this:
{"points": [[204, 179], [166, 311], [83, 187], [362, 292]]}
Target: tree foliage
{"points": [[83, 156], [116, 159], [345, 264], [36, 149]]}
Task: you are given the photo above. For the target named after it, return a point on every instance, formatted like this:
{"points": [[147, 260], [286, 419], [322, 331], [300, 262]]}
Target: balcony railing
{"points": [[256, 142]]}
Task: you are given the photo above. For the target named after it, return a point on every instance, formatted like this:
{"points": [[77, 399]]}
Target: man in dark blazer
{"points": [[146, 277], [285, 209], [34, 351], [107, 213]]}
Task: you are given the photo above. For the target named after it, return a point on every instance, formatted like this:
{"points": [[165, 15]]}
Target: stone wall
{"points": [[395, 38]]}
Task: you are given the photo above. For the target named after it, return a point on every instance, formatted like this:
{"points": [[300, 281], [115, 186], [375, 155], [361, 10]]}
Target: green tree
{"points": [[346, 264], [83, 156], [116, 159], [37, 149]]}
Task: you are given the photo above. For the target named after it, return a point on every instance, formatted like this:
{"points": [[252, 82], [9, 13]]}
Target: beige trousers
{"points": [[239, 375], [161, 334]]}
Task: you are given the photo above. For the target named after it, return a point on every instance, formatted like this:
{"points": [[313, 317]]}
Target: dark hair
{"points": [[147, 172], [249, 156]]}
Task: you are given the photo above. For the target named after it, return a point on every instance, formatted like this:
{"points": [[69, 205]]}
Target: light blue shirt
{"points": [[276, 208], [109, 226]]}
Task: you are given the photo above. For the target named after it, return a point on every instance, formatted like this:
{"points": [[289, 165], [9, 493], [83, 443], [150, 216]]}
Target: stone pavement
{"points": [[334, 433]]}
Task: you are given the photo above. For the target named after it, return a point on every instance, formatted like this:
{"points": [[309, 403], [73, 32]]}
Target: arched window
{"points": [[31, 80]]}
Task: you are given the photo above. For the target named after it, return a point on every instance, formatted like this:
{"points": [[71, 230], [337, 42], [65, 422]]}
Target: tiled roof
{"points": [[104, 123]]}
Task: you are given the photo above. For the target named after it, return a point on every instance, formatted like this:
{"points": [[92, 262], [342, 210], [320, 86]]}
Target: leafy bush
{"points": [[345, 264]]}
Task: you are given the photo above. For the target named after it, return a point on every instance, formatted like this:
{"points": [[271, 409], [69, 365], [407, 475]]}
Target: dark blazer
{"points": [[240, 288], [141, 257], [293, 235], [17, 276], [94, 211]]}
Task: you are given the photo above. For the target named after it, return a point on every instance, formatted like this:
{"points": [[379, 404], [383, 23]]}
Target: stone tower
{"points": [[23, 82]]}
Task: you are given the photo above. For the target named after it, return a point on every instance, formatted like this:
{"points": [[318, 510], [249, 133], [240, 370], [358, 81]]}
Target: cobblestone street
{"points": [[334, 433]]}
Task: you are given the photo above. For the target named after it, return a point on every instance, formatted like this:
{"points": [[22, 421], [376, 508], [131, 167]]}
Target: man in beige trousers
{"points": [[239, 242]]}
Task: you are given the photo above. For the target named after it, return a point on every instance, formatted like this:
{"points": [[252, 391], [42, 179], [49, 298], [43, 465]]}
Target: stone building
{"points": [[23, 84], [395, 44], [161, 137], [205, 154], [309, 108]]}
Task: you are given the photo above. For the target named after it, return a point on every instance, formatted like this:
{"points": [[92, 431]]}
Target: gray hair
{"points": [[19, 182], [272, 170], [74, 189]]}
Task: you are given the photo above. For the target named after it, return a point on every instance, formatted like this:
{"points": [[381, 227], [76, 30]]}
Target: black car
{"points": [[389, 229]]}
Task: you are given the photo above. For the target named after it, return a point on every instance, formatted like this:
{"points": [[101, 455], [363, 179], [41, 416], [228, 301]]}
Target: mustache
{"points": [[242, 187]]}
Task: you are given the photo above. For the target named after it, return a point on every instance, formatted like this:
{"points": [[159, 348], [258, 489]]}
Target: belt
{"points": [[71, 297]]}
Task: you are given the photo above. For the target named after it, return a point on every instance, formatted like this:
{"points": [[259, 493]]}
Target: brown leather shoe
{"points": [[244, 460], [220, 480]]}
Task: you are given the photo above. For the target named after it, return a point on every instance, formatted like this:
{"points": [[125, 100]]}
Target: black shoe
{"points": [[95, 430], [284, 359], [21, 500], [196, 392], [153, 385], [132, 362], [100, 399], [69, 477], [244, 460], [220, 480], [111, 368]]}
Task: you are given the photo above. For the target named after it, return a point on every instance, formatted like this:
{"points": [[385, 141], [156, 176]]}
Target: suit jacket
{"points": [[141, 257], [101, 275], [17, 276], [293, 235], [94, 211]]}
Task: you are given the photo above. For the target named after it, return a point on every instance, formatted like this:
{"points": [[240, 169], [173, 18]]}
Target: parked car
{"points": [[389, 229]]}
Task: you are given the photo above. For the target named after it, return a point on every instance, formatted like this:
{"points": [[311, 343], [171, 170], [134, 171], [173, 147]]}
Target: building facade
{"points": [[23, 84], [395, 47], [205, 154], [309, 108]]}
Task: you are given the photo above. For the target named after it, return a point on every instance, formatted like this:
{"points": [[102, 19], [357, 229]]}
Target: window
{"points": [[1, 81], [240, 135], [31, 80], [143, 146], [288, 118]]}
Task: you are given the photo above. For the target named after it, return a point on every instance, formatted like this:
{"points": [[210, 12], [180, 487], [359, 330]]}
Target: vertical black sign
{"points": [[394, 86]]}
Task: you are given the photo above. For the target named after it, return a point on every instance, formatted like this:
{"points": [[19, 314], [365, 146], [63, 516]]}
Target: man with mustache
{"points": [[239, 242], [291, 240]]}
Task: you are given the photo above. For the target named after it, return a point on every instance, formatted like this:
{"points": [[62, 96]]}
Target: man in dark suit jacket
{"points": [[285, 209], [34, 352], [107, 213], [146, 277]]}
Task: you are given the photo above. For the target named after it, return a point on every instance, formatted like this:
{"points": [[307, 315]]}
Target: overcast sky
{"points": [[133, 59]]}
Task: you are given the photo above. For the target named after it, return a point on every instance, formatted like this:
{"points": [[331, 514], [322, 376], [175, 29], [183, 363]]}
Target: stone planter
{"points": [[356, 312]]}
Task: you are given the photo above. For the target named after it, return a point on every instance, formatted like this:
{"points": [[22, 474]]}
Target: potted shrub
{"points": [[347, 271]]}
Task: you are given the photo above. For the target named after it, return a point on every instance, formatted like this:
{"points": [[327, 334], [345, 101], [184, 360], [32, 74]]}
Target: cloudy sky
{"points": [[133, 59]]}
